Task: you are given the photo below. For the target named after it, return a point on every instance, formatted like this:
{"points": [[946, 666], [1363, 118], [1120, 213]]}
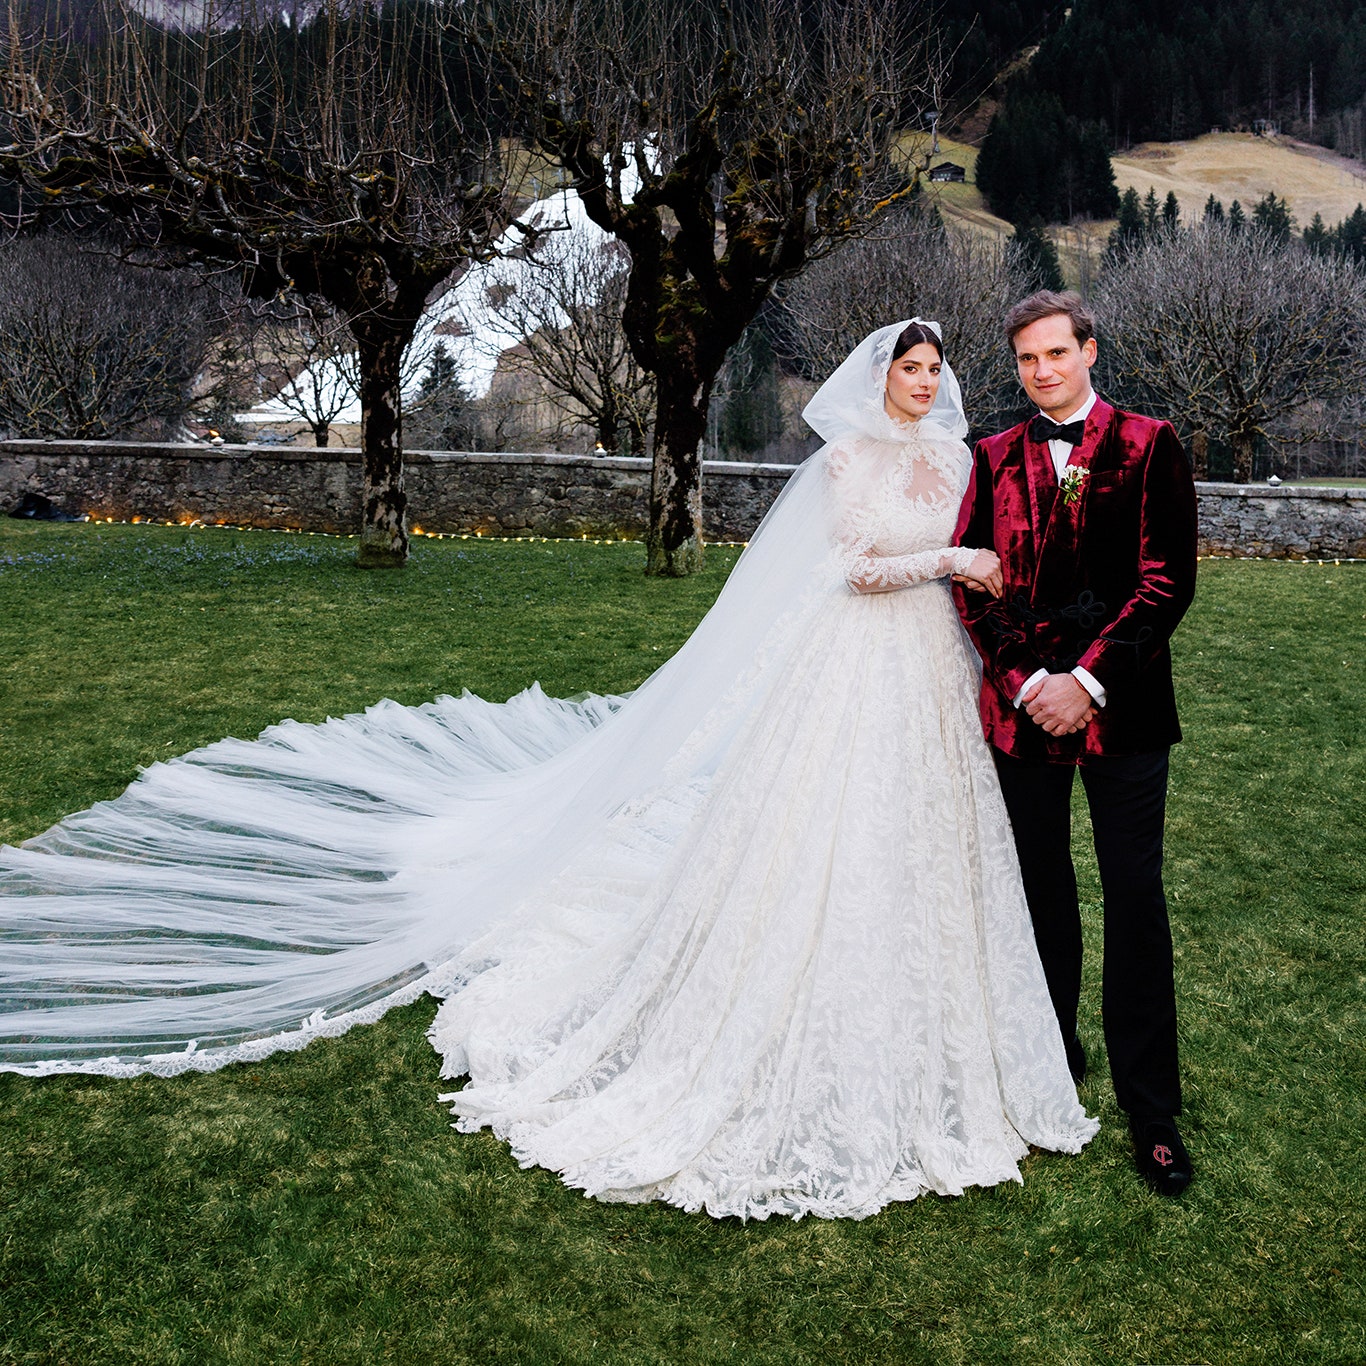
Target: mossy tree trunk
{"points": [[674, 540], [384, 529], [383, 304]]}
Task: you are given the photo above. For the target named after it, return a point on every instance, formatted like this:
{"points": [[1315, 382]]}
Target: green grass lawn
{"points": [[318, 1208]]}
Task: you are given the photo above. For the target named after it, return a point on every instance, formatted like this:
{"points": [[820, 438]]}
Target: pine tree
{"points": [[1039, 255], [1236, 217], [1150, 213], [1130, 231], [1317, 236], [1011, 165], [1351, 235], [1273, 217], [1099, 193], [1214, 210], [442, 416], [1036, 161], [441, 376], [1171, 212]]}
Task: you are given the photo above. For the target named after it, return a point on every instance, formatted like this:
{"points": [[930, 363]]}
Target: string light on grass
{"points": [[189, 522]]}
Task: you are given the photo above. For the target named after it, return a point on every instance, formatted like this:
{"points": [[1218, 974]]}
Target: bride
{"points": [[751, 939]]}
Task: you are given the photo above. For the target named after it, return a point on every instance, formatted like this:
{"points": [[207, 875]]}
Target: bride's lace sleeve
{"points": [[882, 573], [856, 524]]}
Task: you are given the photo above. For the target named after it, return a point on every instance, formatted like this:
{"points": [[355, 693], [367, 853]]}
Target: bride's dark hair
{"points": [[912, 335]]}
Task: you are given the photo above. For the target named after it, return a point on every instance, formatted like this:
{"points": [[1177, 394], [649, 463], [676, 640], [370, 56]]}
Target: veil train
{"points": [[254, 895]]}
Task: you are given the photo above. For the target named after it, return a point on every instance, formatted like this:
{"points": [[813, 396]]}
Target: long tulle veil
{"points": [[252, 896]]}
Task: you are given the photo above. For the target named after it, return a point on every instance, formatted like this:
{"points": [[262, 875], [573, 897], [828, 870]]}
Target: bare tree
{"points": [[564, 303], [92, 347], [912, 266], [303, 356], [347, 157], [1235, 336], [726, 146]]}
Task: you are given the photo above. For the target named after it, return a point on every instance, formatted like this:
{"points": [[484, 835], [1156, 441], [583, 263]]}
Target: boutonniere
{"points": [[1072, 480]]}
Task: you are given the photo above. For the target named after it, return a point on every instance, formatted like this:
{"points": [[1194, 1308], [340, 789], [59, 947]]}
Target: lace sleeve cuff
{"points": [[960, 557]]}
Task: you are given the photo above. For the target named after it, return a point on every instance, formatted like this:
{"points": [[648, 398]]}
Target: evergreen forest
{"points": [[1163, 72], [1110, 73]]}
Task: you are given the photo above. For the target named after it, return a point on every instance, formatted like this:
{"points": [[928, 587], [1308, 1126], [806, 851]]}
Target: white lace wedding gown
{"points": [[807, 984], [751, 940]]}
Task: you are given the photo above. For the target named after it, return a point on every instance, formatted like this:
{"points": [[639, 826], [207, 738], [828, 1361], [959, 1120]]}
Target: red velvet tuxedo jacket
{"points": [[1099, 581]]}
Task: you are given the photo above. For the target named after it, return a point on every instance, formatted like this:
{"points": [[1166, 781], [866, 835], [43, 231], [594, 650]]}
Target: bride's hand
{"points": [[985, 573]]}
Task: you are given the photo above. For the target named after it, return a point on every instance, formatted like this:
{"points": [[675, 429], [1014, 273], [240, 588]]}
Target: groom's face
{"points": [[1055, 368]]}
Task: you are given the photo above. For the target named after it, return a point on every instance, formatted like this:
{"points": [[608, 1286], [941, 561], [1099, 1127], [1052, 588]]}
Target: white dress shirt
{"points": [[1061, 451]]}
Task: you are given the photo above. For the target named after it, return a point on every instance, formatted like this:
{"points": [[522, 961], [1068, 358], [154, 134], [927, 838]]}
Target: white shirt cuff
{"points": [[1088, 682], [1037, 677], [1083, 676]]}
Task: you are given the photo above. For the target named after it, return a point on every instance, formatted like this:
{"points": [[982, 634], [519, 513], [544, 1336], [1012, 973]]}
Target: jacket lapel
{"points": [[1060, 542], [1043, 484]]}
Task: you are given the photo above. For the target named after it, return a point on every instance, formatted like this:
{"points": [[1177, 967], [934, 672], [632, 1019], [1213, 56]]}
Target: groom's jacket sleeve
{"points": [[1165, 585]]}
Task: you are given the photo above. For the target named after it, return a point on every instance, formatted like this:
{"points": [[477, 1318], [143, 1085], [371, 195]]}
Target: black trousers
{"points": [[1127, 797]]}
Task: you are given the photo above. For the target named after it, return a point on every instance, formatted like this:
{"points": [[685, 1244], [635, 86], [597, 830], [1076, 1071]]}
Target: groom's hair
{"points": [[1049, 303]]}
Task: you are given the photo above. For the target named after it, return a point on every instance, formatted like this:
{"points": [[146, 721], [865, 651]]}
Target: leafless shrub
{"points": [[301, 354], [93, 347], [1235, 338]]}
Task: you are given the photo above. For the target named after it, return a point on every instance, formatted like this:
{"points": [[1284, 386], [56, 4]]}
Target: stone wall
{"points": [[318, 489], [1296, 523], [314, 489]]}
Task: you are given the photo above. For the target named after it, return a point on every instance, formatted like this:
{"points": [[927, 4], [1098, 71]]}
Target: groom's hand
{"points": [[1059, 704]]}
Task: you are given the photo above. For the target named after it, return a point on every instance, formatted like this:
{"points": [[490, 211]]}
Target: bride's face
{"points": [[912, 383]]}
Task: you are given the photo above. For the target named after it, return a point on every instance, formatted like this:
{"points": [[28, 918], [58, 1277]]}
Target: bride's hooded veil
{"points": [[255, 895], [850, 403]]}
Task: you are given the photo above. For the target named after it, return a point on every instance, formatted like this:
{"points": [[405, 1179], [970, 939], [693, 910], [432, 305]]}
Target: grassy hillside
{"points": [[964, 204], [1244, 167], [1228, 165]]}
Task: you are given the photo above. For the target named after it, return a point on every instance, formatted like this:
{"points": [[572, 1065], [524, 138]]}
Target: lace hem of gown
{"points": [[192, 1058], [723, 1195]]}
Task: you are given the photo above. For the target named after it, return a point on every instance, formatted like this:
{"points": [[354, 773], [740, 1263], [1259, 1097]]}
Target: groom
{"points": [[1092, 512]]}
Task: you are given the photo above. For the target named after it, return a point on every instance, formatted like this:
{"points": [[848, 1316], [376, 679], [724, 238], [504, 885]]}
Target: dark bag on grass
{"points": [[39, 509]]}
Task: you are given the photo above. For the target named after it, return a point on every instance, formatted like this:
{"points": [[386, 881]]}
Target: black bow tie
{"points": [[1043, 428]]}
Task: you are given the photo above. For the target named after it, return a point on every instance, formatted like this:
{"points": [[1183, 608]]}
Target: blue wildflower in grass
{"points": [[35, 559]]}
